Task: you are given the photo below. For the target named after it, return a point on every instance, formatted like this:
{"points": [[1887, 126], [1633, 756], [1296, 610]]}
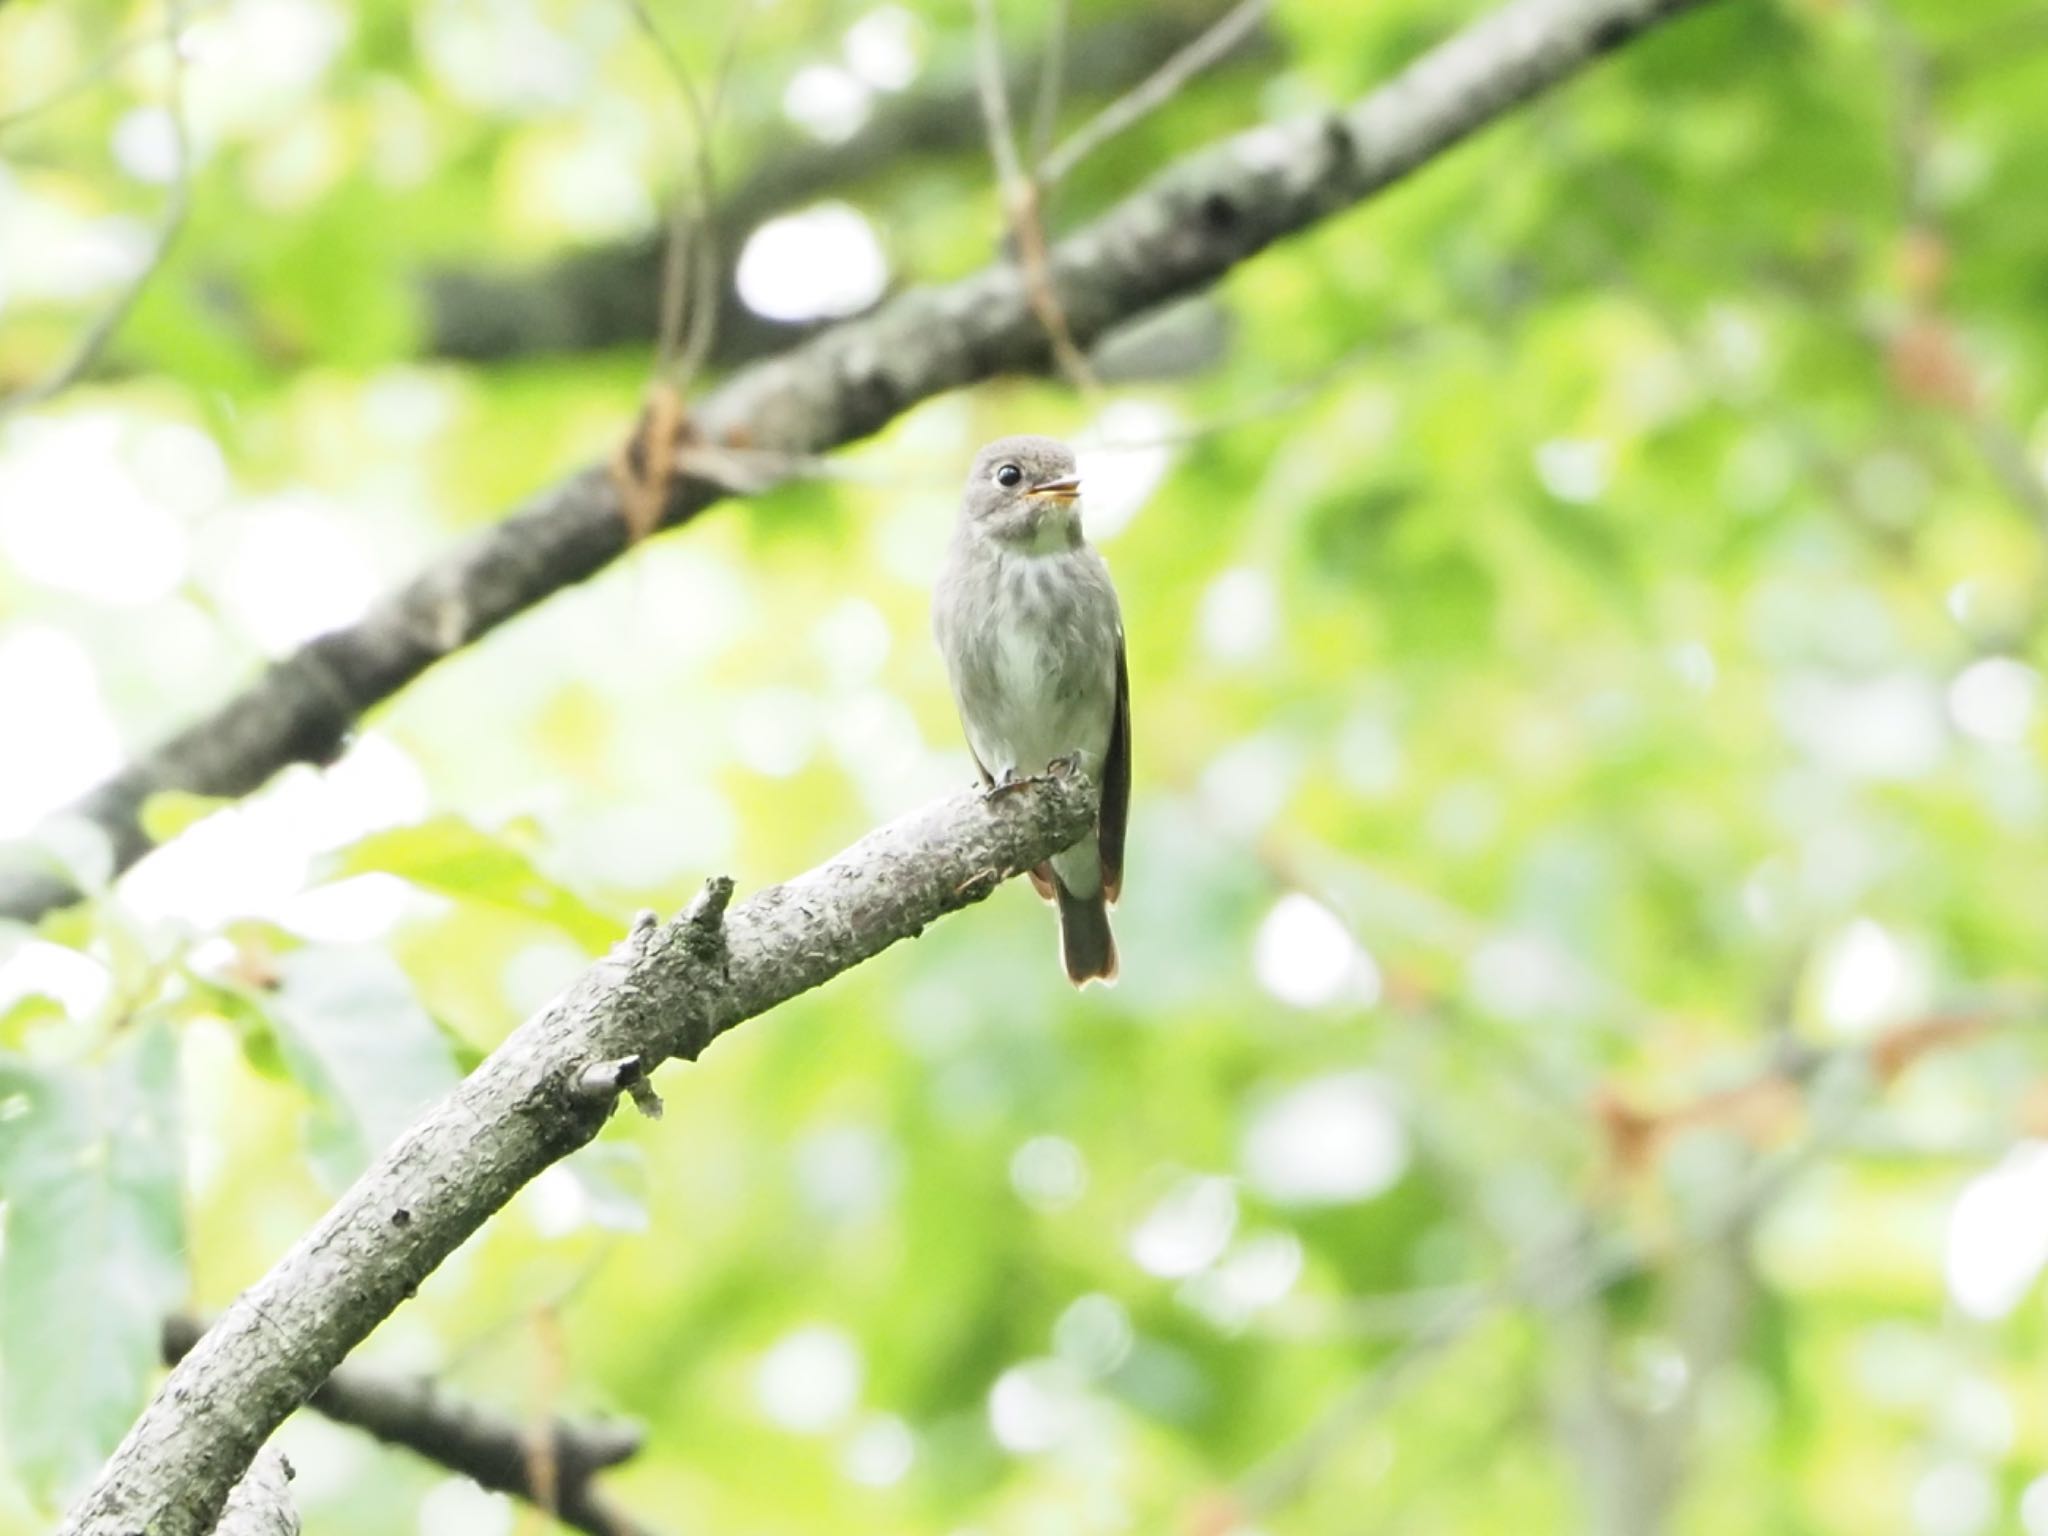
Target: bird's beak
{"points": [[1057, 490]]}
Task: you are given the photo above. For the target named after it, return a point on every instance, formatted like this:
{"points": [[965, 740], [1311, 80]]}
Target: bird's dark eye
{"points": [[1009, 475]]}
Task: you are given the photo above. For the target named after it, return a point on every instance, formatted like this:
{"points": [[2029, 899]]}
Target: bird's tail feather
{"points": [[1087, 947]]}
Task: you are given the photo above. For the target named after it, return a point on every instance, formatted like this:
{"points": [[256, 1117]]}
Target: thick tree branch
{"points": [[1178, 234], [665, 990], [491, 1449]]}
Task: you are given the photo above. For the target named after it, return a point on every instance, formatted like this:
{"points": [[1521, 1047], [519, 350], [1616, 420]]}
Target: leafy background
{"points": [[1574, 1065]]}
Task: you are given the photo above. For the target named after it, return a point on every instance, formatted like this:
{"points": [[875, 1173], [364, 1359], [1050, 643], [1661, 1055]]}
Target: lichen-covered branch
{"points": [[553, 1465], [665, 990], [1178, 234]]}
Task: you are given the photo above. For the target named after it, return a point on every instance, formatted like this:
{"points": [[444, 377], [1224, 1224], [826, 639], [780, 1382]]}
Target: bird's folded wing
{"points": [[1116, 781]]}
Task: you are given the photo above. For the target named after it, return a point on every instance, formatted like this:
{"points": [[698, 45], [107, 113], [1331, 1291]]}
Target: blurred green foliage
{"points": [[1584, 635]]}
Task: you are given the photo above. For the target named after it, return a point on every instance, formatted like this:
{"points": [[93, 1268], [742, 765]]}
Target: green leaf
{"points": [[26, 1013], [359, 1042], [89, 1164], [456, 858], [243, 1010], [170, 811]]}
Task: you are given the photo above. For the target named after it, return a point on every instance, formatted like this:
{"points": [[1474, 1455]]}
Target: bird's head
{"points": [[1025, 492]]}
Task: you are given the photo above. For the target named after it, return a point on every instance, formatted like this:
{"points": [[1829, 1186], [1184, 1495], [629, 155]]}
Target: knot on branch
{"points": [[645, 469], [599, 1085], [703, 921], [701, 928]]}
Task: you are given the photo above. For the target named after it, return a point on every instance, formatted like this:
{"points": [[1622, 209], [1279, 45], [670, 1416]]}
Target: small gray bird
{"points": [[1027, 619]]}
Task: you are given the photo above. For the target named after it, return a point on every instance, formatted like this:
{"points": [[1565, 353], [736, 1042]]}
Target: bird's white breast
{"points": [[1030, 717], [1022, 665]]}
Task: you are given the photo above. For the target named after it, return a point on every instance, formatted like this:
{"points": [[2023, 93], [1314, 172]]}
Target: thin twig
{"points": [[690, 264], [644, 470], [1160, 87], [1397, 340], [691, 202], [1023, 210], [676, 262], [703, 331], [177, 204], [995, 95], [1051, 70]]}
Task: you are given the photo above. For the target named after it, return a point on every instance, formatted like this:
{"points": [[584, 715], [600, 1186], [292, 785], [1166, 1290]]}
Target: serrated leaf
{"points": [[92, 1259], [352, 1033], [170, 811], [459, 859]]}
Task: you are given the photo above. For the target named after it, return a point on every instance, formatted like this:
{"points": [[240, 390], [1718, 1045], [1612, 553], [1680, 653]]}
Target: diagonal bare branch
{"points": [[664, 991], [1197, 220]]}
